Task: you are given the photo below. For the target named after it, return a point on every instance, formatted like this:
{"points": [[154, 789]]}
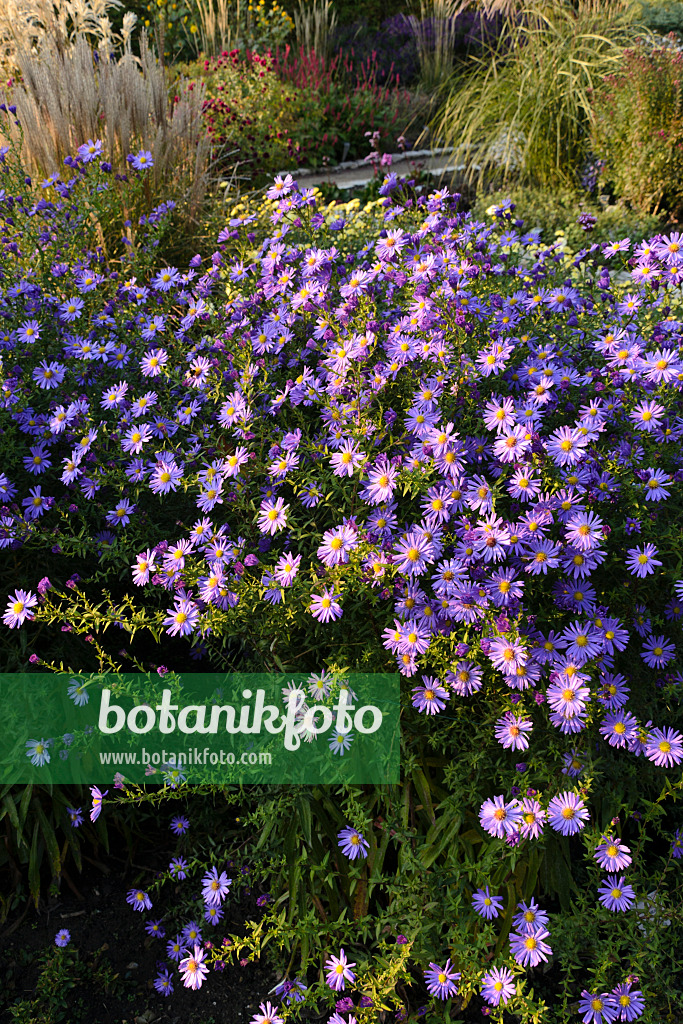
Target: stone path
{"points": [[357, 173]]}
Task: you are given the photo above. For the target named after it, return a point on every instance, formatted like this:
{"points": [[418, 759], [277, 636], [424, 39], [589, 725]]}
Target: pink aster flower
{"points": [[325, 607], [19, 608], [286, 569], [273, 516], [347, 459], [97, 798], [533, 818], [337, 544], [193, 970], [499, 818], [647, 415], [567, 813], [511, 732], [584, 530], [664, 747], [267, 1012], [497, 985], [380, 485]]}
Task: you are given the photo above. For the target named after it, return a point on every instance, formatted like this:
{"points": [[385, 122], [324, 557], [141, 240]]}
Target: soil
{"points": [[111, 941]]}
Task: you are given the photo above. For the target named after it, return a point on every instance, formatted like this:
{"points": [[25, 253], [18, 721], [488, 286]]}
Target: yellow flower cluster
{"points": [[363, 223]]}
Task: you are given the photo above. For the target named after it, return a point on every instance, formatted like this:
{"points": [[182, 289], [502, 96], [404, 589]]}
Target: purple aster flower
{"points": [[529, 917], [615, 894], [142, 162], [63, 938], [339, 971], [163, 983], [179, 825], [629, 1000], [75, 816], [178, 867], [431, 697], [486, 905], [567, 813], [497, 985], [677, 844], [155, 928], [611, 855], [174, 948], [215, 887], [619, 728], [139, 900], [573, 765], [442, 981], [191, 933], [598, 1008], [641, 561], [530, 948], [658, 652], [664, 747], [90, 150], [412, 553], [183, 618], [352, 843]]}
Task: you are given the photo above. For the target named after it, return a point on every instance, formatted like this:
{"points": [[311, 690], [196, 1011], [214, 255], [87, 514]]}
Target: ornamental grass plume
{"points": [[67, 96], [25, 24]]}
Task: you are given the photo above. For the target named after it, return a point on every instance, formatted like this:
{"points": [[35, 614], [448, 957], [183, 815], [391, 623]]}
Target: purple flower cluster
{"points": [[530, 411]]}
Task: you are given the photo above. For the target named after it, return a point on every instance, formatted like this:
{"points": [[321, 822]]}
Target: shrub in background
{"points": [[662, 17], [238, 25], [556, 212], [637, 129], [251, 116], [291, 110]]}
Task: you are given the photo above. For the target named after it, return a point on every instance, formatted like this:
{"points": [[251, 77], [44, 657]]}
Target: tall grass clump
{"points": [[435, 31], [524, 105], [315, 22]]}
